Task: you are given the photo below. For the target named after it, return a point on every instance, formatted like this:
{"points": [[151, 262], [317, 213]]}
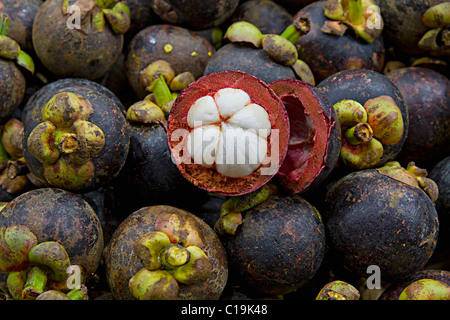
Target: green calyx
{"points": [[51, 257], [230, 211], [426, 289], [412, 176], [15, 243], [280, 49], [145, 112], [170, 259], [367, 128], [66, 142], [10, 49], [362, 16], [243, 31], [338, 290], [437, 16]]}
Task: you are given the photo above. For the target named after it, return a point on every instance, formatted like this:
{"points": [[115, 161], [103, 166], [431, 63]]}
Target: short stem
{"points": [[35, 285], [355, 12], [358, 134], [66, 142], [16, 168], [175, 256], [161, 91], [295, 31]]}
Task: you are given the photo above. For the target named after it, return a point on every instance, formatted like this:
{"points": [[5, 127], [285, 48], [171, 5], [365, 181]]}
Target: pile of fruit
{"points": [[224, 149]]}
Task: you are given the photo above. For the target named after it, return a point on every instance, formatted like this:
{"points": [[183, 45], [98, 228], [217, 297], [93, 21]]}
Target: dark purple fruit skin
{"points": [[196, 14], [293, 5], [372, 219], [279, 246], [56, 215], [328, 54], [148, 44], [12, 88], [149, 176], [247, 58], [122, 263], [403, 24], [269, 17], [21, 17], [394, 290], [141, 15], [108, 115], [87, 55], [427, 96], [361, 85]]}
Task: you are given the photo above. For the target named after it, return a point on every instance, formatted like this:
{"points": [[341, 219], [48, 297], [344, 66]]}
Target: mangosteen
{"points": [[55, 215], [273, 56], [373, 116], [278, 247], [267, 15], [141, 15], [417, 26], [183, 49], [427, 96], [293, 5], [149, 176], [21, 14], [88, 34], [75, 135], [228, 132], [328, 53], [394, 291], [383, 217], [12, 80], [441, 175], [315, 136], [162, 252], [194, 14]]}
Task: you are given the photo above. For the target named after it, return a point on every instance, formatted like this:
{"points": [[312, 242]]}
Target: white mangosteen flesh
{"points": [[229, 133]]}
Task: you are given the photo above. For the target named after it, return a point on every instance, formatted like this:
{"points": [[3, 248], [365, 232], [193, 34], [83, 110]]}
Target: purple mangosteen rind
{"points": [[12, 88], [278, 248], [307, 99], [122, 262], [54, 214], [361, 85], [328, 54], [372, 219], [108, 116]]}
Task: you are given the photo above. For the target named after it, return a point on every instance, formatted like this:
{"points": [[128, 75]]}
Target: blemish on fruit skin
{"points": [[168, 48]]}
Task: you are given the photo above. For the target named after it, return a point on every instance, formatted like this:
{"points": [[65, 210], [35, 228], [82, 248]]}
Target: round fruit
{"points": [[427, 96], [183, 49], [314, 130], [76, 136], [132, 257], [278, 248], [362, 98], [12, 88], [94, 44], [373, 218], [327, 54], [194, 14], [57, 215], [228, 132]]}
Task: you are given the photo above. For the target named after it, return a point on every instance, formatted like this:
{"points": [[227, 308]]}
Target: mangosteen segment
{"points": [[310, 131], [233, 132]]}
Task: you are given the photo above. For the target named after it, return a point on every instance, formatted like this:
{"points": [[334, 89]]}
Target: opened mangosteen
{"points": [[162, 252], [183, 49], [273, 56], [194, 14], [55, 215], [75, 135], [372, 114], [383, 217], [21, 14], [315, 138], [89, 35], [417, 26], [427, 97], [278, 248], [12, 80], [396, 289], [351, 39], [228, 132]]}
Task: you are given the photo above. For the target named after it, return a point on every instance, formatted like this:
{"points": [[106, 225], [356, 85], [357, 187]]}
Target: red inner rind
{"points": [[261, 94], [298, 179]]}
